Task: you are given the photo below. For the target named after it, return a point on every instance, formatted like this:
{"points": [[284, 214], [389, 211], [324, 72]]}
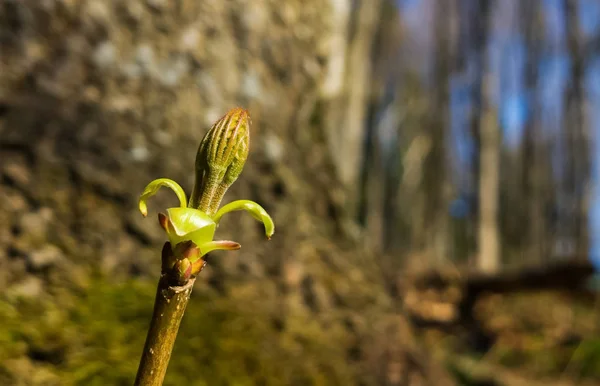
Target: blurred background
{"points": [[432, 167]]}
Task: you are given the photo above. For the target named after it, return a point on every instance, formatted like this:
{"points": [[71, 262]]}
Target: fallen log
{"points": [[446, 297], [564, 275]]}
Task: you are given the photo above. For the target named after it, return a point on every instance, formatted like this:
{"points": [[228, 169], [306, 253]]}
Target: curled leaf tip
{"points": [[153, 187], [255, 210], [143, 208]]}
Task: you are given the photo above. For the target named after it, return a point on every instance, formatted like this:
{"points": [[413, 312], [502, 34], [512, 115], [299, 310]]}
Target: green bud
{"points": [[184, 270], [220, 159], [191, 228]]}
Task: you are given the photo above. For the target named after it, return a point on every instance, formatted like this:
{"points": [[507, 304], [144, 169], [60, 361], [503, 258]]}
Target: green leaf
{"points": [[153, 187], [224, 245], [251, 207], [189, 224]]}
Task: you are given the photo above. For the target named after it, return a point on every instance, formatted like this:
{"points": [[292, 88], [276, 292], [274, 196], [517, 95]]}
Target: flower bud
{"points": [[220, 159]]}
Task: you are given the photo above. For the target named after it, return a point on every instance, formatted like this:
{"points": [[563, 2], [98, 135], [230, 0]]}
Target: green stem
{"points": [[169, 307]]}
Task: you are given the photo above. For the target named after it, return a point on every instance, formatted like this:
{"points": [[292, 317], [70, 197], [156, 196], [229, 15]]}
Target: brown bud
{"points": [[220, 159], [198, 266]]}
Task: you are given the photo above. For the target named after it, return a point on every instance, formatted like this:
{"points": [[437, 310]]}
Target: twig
{"points": [[169, 307]]}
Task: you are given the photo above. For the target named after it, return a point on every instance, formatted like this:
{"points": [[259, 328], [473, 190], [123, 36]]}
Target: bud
{"points": [[183, 269], [190, 229], [220, 159]]}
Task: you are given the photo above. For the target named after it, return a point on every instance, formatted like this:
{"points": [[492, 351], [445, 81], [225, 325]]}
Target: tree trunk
{"points": [[347, 88], [489, 169], [489, 185]]}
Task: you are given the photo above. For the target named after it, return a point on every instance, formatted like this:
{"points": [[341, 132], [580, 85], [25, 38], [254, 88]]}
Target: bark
{"points": [[169, 307]]}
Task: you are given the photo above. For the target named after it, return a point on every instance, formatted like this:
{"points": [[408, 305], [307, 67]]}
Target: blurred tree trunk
{"points": [[415, 146], [489, 184], [477, 31], [437, 182], [574, 126], [531, 163], [347, 88], [489, 169], [514, 216], [373, 200]]}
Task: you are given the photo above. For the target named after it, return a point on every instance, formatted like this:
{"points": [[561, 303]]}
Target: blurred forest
{"points": [[432, 167]]}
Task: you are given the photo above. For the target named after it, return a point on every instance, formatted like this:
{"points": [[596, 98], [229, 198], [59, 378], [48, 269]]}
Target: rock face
{"points": [[99, 97]]}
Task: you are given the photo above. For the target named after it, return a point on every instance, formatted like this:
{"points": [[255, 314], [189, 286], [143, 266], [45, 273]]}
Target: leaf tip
{"points": [[143, 207]]}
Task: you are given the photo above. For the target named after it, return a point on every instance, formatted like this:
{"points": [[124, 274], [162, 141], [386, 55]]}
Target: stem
{"points": [[169, 307]]}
